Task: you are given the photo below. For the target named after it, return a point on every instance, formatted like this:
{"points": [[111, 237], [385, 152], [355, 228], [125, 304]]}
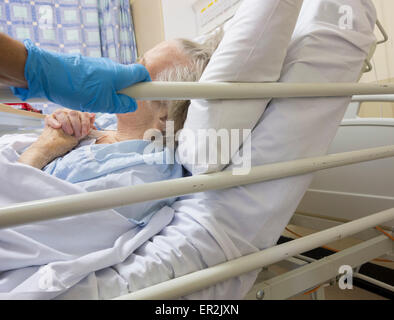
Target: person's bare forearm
{"points": [[13, 55], [36, 157], [51, 144]]}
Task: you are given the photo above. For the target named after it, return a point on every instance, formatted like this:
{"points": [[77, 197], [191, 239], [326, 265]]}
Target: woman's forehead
{"points": [[163, 50], [162, 56]]}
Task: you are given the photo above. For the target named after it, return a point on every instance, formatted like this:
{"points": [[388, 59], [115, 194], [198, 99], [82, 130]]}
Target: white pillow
{"points": [[254, 216], [253, 50]]}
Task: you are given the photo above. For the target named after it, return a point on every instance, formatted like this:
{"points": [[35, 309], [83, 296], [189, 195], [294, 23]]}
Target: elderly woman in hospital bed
{"points": [[263, 42], [97, 160]]}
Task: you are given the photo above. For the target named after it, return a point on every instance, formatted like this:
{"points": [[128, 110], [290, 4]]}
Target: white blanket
{"points": [[213, 227], [44, 259], [100, 255]]}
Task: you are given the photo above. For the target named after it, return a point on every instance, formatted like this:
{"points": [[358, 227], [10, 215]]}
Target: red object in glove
{"points": [[24, 106]]}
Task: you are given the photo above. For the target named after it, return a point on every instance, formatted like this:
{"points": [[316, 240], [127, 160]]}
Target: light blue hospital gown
{"points": [[103, 166]]}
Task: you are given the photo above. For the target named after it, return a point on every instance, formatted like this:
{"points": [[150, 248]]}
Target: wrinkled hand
{"points": [[73, 123], [51, 144], [56, 142], [78, 82]]}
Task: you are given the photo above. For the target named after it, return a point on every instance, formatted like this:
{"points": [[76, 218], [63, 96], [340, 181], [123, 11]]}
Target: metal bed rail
{"points": [[374, 98], [88, 202], [77, 204], [199, 280], [227, 91], [306, 273]]}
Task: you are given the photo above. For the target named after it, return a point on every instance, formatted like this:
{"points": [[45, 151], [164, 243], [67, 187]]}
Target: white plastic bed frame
{"points": [[306, 273]]}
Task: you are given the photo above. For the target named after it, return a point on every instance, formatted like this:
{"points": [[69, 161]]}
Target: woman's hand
{"points": [[63, 131], [51, 144], [73, 123]]}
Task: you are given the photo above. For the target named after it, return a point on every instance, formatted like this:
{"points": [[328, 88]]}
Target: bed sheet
{"points": [[212, 227], [230, 223], [44, 259]]}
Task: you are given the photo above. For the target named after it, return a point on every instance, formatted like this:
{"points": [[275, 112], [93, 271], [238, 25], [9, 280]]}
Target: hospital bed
{"points": [[343, 192], [13, 120], [306, 274]]}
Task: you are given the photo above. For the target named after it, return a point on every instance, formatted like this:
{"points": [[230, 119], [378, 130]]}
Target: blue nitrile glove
{"points": [[80, 83]]}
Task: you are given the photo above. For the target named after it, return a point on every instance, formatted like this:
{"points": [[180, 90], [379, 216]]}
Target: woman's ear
{"points": [[162, 115], [163, 111]]}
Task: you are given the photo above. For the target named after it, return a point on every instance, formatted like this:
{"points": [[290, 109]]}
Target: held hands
{"points": [[63, 131], [73, 123], [78, 82]]}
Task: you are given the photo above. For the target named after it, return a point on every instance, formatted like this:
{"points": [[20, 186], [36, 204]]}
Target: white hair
{"points": [[198, 55]]}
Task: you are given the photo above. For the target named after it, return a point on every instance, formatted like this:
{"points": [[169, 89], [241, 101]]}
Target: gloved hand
{"points": [[80, 83]]}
